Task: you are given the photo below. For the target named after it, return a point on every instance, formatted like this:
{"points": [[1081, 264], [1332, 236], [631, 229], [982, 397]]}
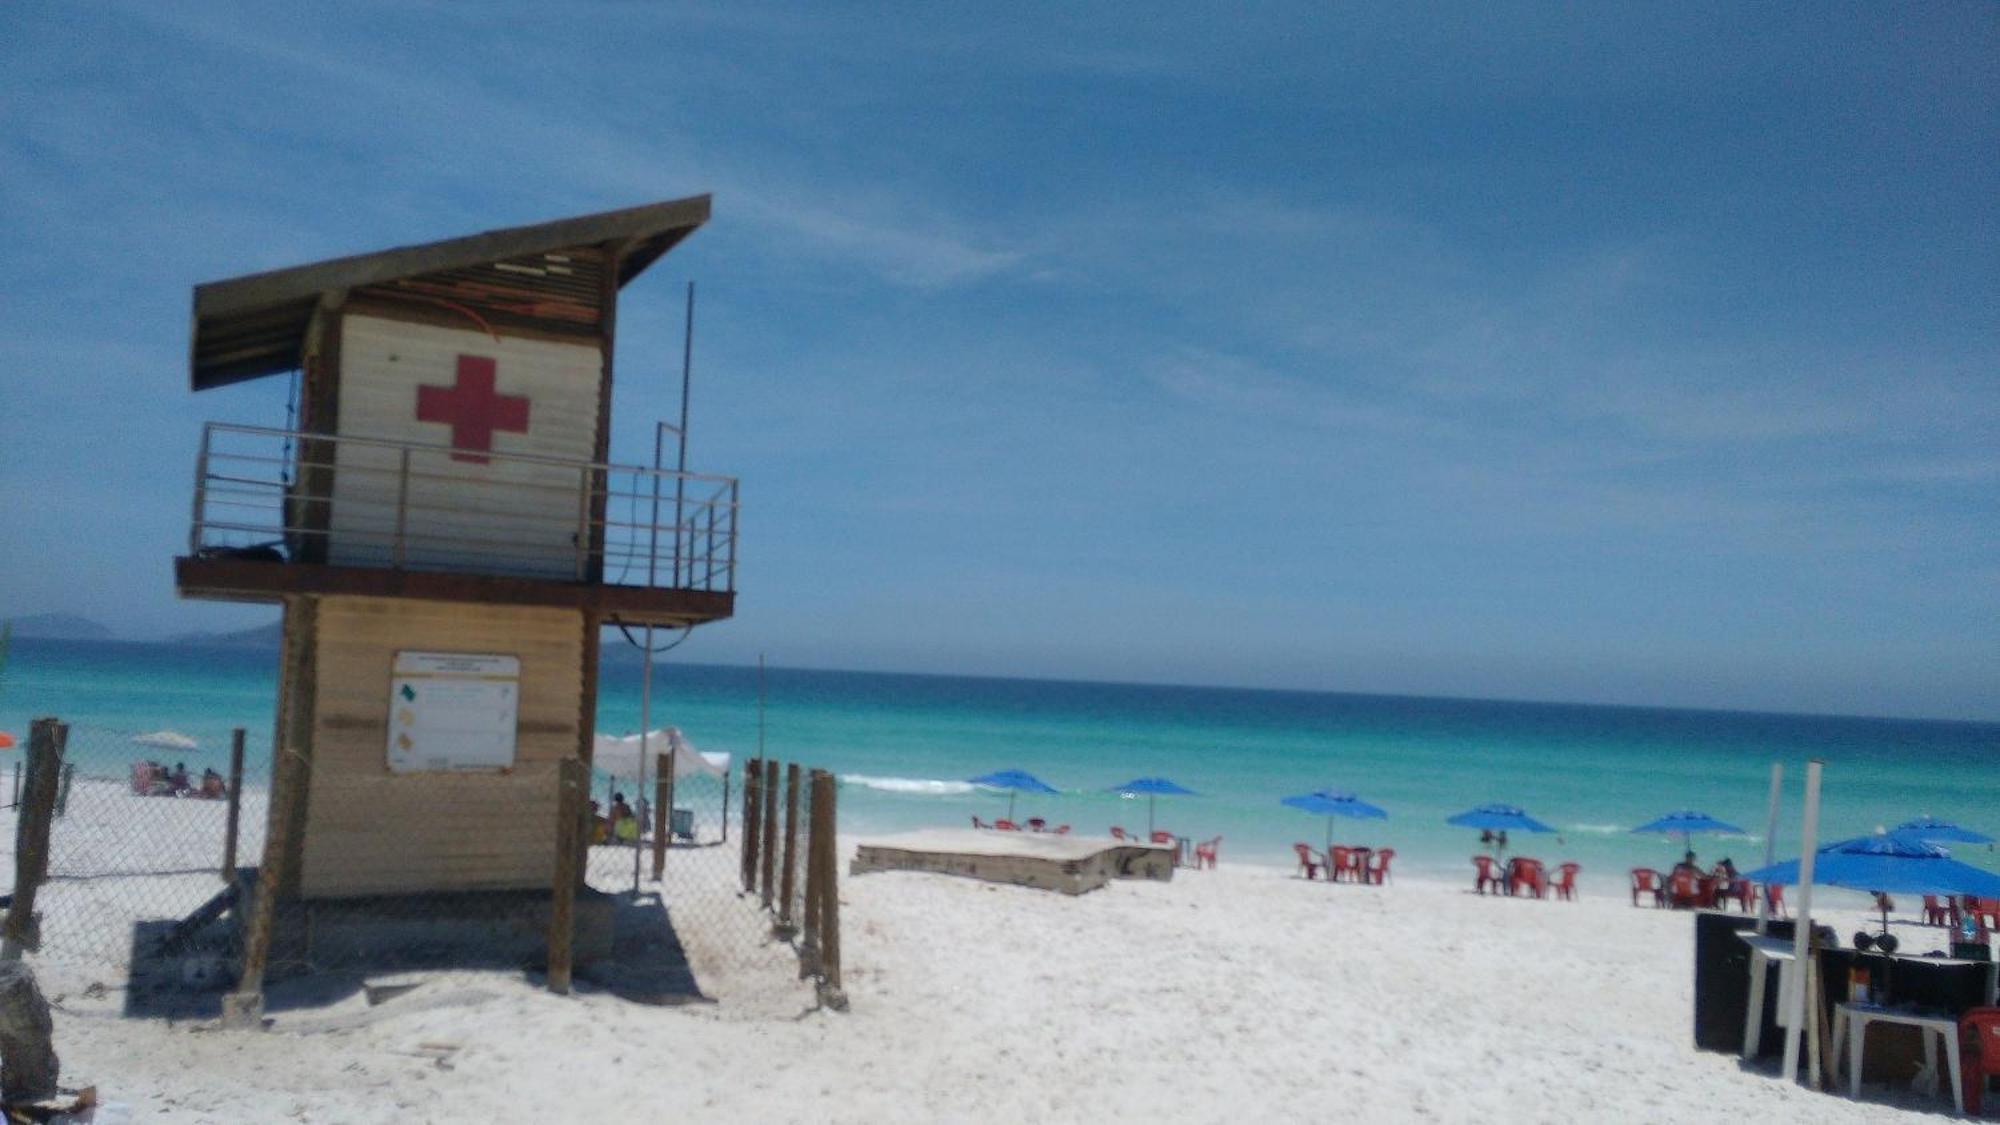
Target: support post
{"points": [[235, 798], [17, 786], [1770, 847], [786, 926], [23, 929], [753, 772], [572, 792], [663, 796], [1795, 994], [244, 1008], [830, 993], [768, 853], [62, 791], [815, 875]]}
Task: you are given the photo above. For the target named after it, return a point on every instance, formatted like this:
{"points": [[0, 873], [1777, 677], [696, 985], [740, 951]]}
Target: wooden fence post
{"points": [[229, 832], [663, 813], [244, 1007], [809, 936], [753, 772], [786, 925], [768, 853], [830, 993], [572, 791], [23, 930]]}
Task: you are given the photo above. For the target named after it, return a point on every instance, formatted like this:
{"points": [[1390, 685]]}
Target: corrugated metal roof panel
{"points": [[255, 325]]}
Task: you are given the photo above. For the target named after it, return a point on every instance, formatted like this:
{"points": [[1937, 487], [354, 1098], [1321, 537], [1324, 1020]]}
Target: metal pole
{"points": [[680, 481], [402, 507], [645, 740], [1794, 996], [1770, 844]]}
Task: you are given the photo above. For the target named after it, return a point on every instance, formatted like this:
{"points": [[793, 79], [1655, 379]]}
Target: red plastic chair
{"points": [[1204, 852], [1062, 830], [1774, 893], [1935, 912], [1485, 875], [1979, 1054], [1162, 836], [1006, 826], [1646, 881], [1378, 865], [1344, 864], [1565, 884], [1986, 912], [1684, 890], [1525, 876], [978, 823], [1744, 892], [1308, 859]]}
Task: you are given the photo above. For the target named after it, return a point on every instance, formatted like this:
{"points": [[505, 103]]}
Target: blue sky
{"points": [[1598, 353]]}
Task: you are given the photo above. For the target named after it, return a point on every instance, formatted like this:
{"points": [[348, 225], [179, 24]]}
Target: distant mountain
{"points": [[260, 636], [59, 626]]}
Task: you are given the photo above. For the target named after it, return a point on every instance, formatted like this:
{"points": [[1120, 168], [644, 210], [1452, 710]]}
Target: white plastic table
{"points": [[1764, 951], [1850, 1026]]}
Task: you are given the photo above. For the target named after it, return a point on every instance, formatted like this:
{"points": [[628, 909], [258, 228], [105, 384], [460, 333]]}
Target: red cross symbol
{"points": [[472, 409]]}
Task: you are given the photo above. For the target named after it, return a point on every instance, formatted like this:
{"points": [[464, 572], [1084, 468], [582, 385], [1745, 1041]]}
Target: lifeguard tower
{"points": [[446, 536]]}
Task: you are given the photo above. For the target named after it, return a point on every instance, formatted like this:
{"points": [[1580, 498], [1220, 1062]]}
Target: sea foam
{"points": [[921, 786]]}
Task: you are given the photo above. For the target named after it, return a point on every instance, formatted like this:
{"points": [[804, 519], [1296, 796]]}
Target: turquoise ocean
{"points": [[904, 745]]}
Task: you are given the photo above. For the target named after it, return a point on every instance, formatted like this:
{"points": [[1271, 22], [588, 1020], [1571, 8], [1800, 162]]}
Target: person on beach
{"points": [[212, 786], [178, 783], [623, 826]]}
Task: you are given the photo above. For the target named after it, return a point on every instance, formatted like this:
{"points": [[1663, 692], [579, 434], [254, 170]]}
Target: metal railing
{"points": [[290, 496]]}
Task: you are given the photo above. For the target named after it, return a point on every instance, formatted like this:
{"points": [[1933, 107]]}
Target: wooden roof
{"points": [[251, 326]]}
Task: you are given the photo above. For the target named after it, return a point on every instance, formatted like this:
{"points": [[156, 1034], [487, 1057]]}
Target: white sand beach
{"points": [[1238, 994]]}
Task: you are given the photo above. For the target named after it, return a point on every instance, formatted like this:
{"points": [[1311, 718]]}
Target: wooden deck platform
{"points": [[1070, 864]]}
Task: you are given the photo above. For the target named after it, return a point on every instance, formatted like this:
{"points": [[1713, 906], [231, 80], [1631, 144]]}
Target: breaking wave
{"points": [[921, 786]]}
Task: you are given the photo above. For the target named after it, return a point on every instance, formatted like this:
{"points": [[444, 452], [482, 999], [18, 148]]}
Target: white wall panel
{"points": [[493, 517]]}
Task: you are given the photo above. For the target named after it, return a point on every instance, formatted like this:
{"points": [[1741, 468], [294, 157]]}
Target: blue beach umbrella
{"points": [[1498, 818], [1687, 822], [1153, 788], [1893, 862], [1015, 782], [1330, 803], [1930, 828]]}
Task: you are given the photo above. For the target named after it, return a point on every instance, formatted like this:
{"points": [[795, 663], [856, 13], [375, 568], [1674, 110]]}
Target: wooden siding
{"points": [[492, 517], [373, 832]]}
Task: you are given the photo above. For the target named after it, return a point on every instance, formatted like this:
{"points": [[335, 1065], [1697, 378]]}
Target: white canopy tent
{"points": [[621, 756]]}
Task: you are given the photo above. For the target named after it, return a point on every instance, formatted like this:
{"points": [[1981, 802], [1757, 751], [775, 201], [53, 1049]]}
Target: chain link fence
{"points": [[155, 851]]}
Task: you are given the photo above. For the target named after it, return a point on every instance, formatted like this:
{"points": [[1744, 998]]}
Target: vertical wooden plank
{"points": [[768, 853], [815, 877], [663, 798], [753, 772], [22, 929], [244, 1007], [232, 825], [830, 992], [788, 883], [573, 782], [608, 321], [284, 849]]}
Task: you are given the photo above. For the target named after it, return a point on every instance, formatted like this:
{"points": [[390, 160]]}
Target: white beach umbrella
{"points": [[165, 740], [620, 756]]}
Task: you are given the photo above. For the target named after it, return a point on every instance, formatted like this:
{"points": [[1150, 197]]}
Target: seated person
{"points": [[212, 786], [600, 828], [178, 781], [624, 826]]}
